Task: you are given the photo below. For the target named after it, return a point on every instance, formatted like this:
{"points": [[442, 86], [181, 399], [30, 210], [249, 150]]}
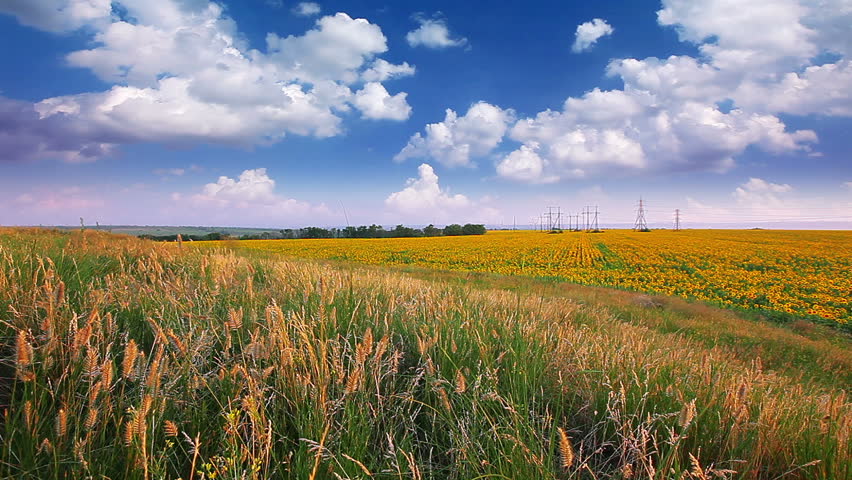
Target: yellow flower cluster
{"points": [[799, 272]]}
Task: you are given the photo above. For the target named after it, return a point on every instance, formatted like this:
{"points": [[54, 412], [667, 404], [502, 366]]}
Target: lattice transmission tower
{"points": [[641, 224]]}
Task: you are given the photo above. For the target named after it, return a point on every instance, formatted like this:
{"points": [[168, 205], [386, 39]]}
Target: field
{"points": [[781, 273], [124, 358]]}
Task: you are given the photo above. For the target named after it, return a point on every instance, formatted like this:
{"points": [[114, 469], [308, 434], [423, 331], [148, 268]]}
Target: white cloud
{"points": [[433, 33], [632, 131], [675, 78], [58, 15], [525, 165], [457, 140], [251, 197], [171, 114], [307, 9], [335, 50], [848, 185], [375, 102], [824, 89], [197, 81], [252, 186], [424, 194], [382, 70], [758, 193], [588, 33], [754, 34], [25, 135], [763, 51], [683, 113]]}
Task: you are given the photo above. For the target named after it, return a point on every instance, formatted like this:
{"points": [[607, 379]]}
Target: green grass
{"points": [[274, 368]]}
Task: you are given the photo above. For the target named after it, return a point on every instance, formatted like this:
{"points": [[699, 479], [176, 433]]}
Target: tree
{"points": [[402, 231], [432, 231], [473, 229], [453, 229], [316, 232]]}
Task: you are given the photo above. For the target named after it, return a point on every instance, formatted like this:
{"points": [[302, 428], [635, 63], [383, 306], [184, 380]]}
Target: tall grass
{"points": [[126, 359]]}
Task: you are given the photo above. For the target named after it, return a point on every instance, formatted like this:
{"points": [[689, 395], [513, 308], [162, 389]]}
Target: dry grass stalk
{"points": [[687, 414], [170, 428], [128, 364], [566, 450], [61, 422]]}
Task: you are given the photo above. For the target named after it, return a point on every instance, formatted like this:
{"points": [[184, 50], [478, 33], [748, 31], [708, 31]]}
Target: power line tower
{"points": [[677, 220], [641, 224], [596, 229], [554, 219]]}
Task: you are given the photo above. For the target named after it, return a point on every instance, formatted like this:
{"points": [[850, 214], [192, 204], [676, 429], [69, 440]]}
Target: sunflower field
{"points": [[800, 273]]}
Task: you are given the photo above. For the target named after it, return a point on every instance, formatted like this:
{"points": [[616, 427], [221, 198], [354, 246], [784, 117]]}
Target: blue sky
{"points": [[281, 113]]}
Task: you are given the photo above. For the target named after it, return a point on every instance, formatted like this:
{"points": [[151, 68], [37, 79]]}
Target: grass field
{"points": [[129, 359], [786, 274]]}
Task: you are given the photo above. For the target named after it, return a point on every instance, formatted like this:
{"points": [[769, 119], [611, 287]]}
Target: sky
{"points": [[276, 113]]}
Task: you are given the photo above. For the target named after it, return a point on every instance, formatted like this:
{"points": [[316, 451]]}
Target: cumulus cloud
{"points": [[25, 135], [335, 50], [376, 103], [634, 131], [424, 194], [525, 165], [821, 89], [457, 140], [590, 32], [197, 81], [382, 70], [433, 33], [763, 51], [685, 113], [751, 35], [58, 15], [307, 9], [253, 186], [758, 193], [251, 197]]}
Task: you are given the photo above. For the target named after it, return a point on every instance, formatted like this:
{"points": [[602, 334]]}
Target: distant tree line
{"points": [[197, 238], [373, 231]]}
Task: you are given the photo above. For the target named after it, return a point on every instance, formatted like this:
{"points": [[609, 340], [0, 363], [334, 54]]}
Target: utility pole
{"points": [[677, 219], [641, 225]]}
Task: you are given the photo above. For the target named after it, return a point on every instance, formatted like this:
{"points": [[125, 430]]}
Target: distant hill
{"points": [[161, 230]]}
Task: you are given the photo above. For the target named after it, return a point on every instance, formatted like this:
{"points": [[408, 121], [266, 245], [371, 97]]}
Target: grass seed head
{"points": [[566, 450]]}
